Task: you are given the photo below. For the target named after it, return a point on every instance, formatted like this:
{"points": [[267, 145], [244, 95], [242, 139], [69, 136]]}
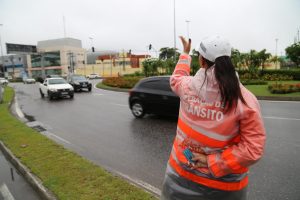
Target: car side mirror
{"points": [[45, 84]]}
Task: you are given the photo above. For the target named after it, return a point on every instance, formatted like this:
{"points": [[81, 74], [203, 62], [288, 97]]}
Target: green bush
{"points": [[284, 88], [276, 77], [121, 82], [295, 73], [253, 82]]}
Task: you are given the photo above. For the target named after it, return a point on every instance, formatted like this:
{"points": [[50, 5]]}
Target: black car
{"points": [[79, 82], [153, 95]]}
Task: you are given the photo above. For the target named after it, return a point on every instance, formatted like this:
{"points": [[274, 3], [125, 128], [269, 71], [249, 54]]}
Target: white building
{"points": [[57, 56]]}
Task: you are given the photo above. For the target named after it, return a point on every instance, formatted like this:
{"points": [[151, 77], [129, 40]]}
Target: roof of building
{"points": [[92, 56], [59, 42]]}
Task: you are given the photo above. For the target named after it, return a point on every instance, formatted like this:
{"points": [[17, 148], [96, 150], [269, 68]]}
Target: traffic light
{"points": [[150, 46]]}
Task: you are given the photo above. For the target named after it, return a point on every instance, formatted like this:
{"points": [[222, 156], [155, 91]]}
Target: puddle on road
{"points": [[29, 117], [12, 183]]}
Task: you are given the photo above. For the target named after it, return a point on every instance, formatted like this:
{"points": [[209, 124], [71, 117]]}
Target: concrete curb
{"points": [[278, 98], [270, 98], [34, 181]]}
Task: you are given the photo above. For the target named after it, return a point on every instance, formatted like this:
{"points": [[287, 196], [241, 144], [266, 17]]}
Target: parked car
{"points": [[153, 95], [3, 81], [56, 87], [79, 82], [93, 76], [28, 80]]}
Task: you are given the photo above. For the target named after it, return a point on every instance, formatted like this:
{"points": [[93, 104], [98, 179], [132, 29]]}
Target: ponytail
{"points": [[228, 82]]}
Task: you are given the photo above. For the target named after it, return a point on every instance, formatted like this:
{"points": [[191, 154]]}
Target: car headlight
{"points": [[71, 88], [53, 90], [76, 83]]}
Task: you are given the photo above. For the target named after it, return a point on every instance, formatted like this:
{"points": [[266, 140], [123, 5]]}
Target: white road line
{"points": [[62, 139], [142, 184], [97, 94], [281, 118], [6, 193], [18, 110], [123, 105]]}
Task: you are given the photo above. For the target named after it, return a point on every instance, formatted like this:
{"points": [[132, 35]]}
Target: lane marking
{"points": [[123, 105], [6, 193], [140, 183], [283, 118], [60, 138], [97, 94]]}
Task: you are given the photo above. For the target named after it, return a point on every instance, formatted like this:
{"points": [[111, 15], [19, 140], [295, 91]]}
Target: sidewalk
{"points": [[12, 185]]}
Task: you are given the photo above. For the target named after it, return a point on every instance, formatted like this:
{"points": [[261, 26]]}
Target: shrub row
{"points": [[121, 82], [284, 88], [295, 74], [253, 82]]}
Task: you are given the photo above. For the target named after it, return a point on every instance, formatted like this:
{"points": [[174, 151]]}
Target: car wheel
{"points": [[71, 96], [138, 109], [90, 89], [50, 96], [42, 94]]}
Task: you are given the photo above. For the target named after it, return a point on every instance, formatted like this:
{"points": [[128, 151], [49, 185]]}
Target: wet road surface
{"points": [[12, 185], [100, 127]]}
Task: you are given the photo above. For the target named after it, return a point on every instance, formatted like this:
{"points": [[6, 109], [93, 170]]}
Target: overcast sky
{"points": [[134, 24]]}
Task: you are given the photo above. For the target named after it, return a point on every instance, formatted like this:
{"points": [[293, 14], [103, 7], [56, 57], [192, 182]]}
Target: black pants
{"points": [[178, 188]]}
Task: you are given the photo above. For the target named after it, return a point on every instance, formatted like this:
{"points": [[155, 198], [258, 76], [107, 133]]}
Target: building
{"points": [[57, 56], [14, 64], [112, 63]]}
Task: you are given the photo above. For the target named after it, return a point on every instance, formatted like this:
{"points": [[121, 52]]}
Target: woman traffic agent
{"points": [[220, 131]]}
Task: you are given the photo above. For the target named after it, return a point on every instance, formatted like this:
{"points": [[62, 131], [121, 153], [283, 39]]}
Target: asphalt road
{"points": [[100, 127], [12, 185]]}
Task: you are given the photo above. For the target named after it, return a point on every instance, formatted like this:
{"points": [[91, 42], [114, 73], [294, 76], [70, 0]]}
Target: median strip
{"points": [[66, 174]]}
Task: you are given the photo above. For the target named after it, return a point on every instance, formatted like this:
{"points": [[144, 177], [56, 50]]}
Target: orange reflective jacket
{"points": [[232, 141]]}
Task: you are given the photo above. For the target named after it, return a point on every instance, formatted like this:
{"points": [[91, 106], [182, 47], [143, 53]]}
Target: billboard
{"points": [[19, 48]]}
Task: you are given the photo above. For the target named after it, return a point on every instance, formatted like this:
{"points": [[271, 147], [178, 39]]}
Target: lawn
{"points": [[66, 174], [262, 90]]}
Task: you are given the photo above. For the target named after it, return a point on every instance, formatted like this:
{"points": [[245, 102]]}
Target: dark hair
{"points": [[228, 81]]}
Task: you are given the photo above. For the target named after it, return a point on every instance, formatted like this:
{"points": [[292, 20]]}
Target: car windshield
{"points": [[56, 81], [78, 78]]}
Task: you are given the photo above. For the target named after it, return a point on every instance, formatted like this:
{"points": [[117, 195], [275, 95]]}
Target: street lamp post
{"points": [[188, 29], [276, 40], [174, 33], [91, 42], [2, 58]]}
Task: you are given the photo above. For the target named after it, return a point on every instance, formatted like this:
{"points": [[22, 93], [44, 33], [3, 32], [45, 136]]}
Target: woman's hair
{"points": [[228, 81]]}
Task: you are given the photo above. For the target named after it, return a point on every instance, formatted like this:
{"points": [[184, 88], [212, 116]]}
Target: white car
{"points": [[28, 80], [93, 76], [3, 81], [56, 87]]}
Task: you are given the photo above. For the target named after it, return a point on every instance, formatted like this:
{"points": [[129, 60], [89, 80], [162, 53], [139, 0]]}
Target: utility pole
{"points": [[188, 29], [276, 53], [2, 58], [174, 32]]}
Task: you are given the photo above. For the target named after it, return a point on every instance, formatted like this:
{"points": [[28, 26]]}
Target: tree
{"points": [[235, 57], [151, 66], [263, 56], [167, 53], [293, 52]]}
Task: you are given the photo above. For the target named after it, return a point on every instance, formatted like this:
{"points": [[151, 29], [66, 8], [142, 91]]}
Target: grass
{"points": [[106, 87], [65, 173], [262, 90]]}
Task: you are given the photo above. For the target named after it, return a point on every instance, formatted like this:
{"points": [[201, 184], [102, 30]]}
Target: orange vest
{"points": [[232, 141]]}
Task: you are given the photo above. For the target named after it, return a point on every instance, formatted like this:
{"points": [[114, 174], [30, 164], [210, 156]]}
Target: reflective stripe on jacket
{"points": [[232, 141]]}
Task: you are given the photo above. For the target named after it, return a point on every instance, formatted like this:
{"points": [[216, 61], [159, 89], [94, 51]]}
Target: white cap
{"points": [[213, 47]]}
